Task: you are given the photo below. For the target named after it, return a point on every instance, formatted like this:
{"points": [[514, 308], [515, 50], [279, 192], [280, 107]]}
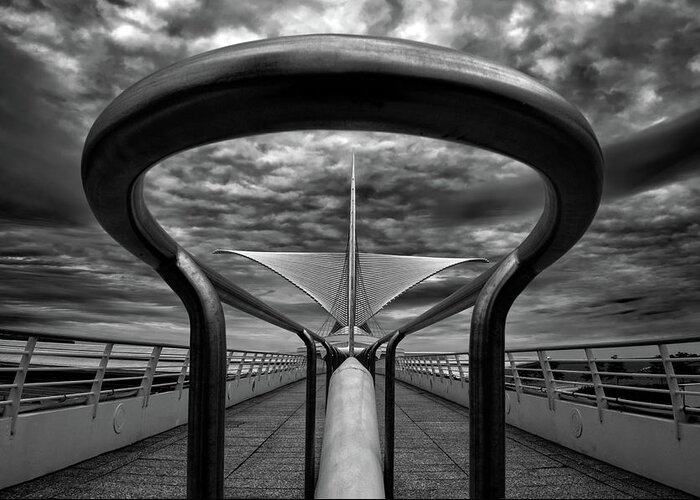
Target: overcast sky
{"points": [[628, 65]]}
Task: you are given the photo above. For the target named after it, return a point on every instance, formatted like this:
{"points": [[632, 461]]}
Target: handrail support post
{"points": [[389, 412], [207, 391], [15, 395], [516, 376], [147, 381], [240, 368], [600, 400], [94, 397], [487, 416], [183, 373], [548, 377], [310, 416], [674, 390]]}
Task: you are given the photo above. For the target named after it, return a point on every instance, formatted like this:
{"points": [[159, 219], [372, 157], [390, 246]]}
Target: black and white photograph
{"points": [[349, 249]]}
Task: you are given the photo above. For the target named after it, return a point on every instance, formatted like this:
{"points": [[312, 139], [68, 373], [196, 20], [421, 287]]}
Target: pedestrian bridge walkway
{"points": [[265, 457]]}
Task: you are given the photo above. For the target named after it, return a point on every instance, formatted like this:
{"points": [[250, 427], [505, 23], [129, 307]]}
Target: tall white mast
{"points": [[352, 259]]}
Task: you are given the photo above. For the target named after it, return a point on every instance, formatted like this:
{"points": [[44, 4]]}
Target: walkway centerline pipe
{"points": [[350, 455]]}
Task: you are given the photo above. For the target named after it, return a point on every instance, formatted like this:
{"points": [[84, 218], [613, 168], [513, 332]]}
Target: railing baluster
{"points": [[439, 365], [460, 369], [274, 368], [253, 370], [548, 377], [516, 376], [270, 368], [451, 368], [601, 402], [94, 397], [249, 364], [240, 368], [267, 360], [674, 391], [20, 376], [183, 374], [147, 380], [261, 366], [229, 355]]}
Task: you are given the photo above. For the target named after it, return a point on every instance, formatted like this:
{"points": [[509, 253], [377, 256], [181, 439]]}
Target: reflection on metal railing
{"points": [[45, 373], [656, 383]]}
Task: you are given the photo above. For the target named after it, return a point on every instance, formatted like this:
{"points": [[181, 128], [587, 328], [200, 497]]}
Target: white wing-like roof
{"points": [[324, 277]]}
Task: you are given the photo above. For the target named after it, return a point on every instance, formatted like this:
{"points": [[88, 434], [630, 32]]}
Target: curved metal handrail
{"points": [[189, 104], [348, 83]]}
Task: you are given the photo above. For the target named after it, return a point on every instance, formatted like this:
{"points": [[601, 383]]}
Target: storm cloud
{"points": [[633, 68]]}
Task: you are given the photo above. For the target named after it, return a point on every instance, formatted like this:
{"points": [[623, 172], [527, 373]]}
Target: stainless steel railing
{"points": [[658, 383], [337, 82], [53, 371]]}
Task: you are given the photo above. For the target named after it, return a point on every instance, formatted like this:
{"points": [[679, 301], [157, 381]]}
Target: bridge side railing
{"points": [[42, 373], [663, 384]]}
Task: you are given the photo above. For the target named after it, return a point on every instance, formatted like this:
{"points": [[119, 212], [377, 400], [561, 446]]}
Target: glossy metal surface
{"points": [[350, 465], [206, 405], [487, 439], [389, 412]]}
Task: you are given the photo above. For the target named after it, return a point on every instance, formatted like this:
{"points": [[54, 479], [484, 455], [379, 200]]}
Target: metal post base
{"points": [[487, 420], [206, 406]]}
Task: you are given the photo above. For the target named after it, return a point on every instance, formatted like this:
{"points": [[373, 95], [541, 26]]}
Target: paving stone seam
{"points": [[437, 399], [98, 472], [266, 439], [430, 437], [580, 470]]}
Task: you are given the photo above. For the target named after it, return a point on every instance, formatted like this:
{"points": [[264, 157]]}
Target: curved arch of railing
{"points": [[342, 83]]}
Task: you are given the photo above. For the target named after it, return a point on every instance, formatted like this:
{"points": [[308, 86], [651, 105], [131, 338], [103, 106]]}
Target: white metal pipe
{"points": [[350, 456]]}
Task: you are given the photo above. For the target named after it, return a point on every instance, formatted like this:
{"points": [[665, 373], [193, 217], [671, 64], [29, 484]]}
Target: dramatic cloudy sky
{"points": [[628, 65]]}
